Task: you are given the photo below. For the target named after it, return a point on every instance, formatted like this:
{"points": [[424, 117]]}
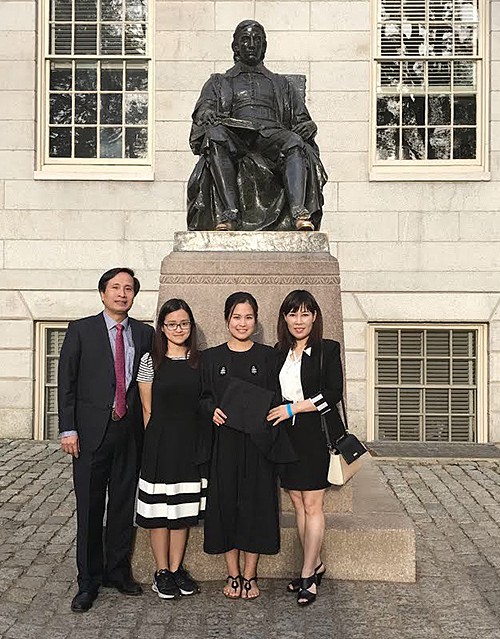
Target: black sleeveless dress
{"points": [[171, 488]]}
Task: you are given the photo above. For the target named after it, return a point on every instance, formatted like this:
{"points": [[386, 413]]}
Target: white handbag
{"points": [[339, 471]]}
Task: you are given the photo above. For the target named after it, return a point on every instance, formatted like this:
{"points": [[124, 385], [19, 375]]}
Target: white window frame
{"points": [[40, 376], [80, 168], [436, 170], [482, 369]]}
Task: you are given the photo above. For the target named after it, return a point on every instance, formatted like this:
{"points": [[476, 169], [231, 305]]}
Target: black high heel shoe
{"points": [[294, 585], [305, 597]]}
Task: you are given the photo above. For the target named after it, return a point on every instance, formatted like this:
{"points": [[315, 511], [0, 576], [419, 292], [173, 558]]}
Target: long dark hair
{"points": [[160, 339], [292, 303], [240, 297]]}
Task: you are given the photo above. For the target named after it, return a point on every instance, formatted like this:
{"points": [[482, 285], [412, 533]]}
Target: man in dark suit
{"points": [[100, 422]]}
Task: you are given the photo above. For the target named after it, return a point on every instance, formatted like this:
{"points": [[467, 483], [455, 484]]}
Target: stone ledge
{"points": [[263, 241]]}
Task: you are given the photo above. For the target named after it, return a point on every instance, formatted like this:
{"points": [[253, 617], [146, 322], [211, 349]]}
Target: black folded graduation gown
{"points": [[242, 501]]}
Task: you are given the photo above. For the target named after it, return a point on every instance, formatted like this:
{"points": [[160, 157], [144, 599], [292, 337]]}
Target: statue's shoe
{"points": [[304, 225], [225, 226]]}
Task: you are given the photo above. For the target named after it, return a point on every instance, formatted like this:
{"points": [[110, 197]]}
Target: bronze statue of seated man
{"points": [[259, 167]]}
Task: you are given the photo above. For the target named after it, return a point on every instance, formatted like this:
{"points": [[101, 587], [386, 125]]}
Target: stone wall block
{"points": [[343, 16], [355, 335], [17, 45], [330, 195], [17, 423], [345, 167], [17, 16], [351, 307], [386, 281], [146, 255], [193, 45], [17, 165], [160, 225], [16, 334], [181, 75], [428, 307], [494, 366], [282, 16], [16, 363], [343, 76], [16, 135], [339, 106], [62, 225], [411, 196], [355, 365], [12, 306], [184, 16], [343, 136], [69, 254], [175, 105], [173, 136], [418, 226], [316, 46], [17, 105], [416, 256], [479, 226], [102, 196], [356, 396], [229, 14], [363, 227], [16, 393], [17, 75], [174, 165]]}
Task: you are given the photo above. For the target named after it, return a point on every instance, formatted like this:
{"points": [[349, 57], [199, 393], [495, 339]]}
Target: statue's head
{"points": [[249, 42]]}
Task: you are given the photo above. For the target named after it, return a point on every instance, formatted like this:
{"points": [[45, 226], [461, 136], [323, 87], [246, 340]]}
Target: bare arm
{"points": [[145, 392]]}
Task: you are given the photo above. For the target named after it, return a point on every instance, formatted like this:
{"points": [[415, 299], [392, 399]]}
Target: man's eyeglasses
{"points": [[172, 326]]}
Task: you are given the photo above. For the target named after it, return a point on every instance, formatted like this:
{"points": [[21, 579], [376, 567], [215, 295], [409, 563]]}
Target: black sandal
{"points": [[294, 585], [305, 597], [247, 586], [235, 584]]}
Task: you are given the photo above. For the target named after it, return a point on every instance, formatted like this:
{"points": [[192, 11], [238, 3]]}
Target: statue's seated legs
{"points": [[223, 147]]}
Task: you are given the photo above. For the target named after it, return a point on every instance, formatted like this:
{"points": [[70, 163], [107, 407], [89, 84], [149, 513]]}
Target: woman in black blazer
{"points": [[309, 389]]}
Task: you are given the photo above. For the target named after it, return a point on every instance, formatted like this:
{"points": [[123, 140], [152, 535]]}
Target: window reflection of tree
{"points": [[426, 119]]}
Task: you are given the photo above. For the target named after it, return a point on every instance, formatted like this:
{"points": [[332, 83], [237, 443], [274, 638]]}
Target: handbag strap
{"points": [[342, 403]]}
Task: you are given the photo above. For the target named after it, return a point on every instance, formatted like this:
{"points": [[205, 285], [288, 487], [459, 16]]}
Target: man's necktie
{"points": [[121, 390]]}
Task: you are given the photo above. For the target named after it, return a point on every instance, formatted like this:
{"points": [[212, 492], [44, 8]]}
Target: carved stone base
{"points": [[205, 267]]}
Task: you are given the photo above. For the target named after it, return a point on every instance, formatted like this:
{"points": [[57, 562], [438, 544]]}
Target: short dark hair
{"points": [[160, 339], [240, 297], [244, 25], [293, 302], [113, 272]]}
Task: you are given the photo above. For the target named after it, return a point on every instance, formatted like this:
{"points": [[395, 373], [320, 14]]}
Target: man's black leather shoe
{"points": [[126, 586], [83, 600]]}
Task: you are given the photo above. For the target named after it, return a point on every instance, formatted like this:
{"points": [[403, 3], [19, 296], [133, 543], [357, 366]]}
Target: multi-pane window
{"points": [[427, 384], [429, 58], [97, 79], [49, 342]]}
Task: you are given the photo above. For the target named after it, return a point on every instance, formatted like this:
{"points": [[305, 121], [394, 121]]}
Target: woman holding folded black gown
{"points": [[242, 502]]}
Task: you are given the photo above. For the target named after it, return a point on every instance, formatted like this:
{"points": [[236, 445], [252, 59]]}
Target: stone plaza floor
{"points": [[454, 504]]}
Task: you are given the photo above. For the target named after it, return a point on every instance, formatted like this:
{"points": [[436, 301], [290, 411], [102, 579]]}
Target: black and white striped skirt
{"points": [[172, 506]]}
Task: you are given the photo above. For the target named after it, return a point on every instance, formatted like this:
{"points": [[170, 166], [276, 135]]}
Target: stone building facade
{"points": [[417, 238]]}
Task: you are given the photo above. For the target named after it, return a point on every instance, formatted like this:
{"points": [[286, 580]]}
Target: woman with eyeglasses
{"points": [[239, 386], [171, 489]]}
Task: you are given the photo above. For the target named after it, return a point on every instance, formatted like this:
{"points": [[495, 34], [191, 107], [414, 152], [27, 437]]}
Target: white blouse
{"points": [[290, 382]]}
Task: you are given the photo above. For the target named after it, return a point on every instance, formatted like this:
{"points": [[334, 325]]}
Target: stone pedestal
{"points": [[368, 536], [207, 266]]}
